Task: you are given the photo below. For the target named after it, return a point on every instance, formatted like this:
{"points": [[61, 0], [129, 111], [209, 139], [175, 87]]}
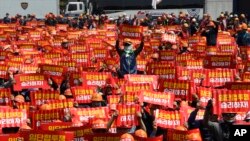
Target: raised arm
{"points": [[140, 48], [119, 51]]}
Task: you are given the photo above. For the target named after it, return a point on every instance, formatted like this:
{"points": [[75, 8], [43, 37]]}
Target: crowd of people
{"points": [[125, 54]]}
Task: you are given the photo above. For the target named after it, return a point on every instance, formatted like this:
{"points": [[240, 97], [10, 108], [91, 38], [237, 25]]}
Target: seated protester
{"points": [[243, 36], [127, 129], [211, 129], [9, 83]]}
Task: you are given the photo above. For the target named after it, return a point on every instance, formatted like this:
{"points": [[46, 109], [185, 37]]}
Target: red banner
{"points": [[26, 81], [3, 71], [82, 57], [169, 38], [70, 64], [238, 85], [60, 104], [132, 97], [158, 98], [181, 88], [168, 119], [82, 94], [141, 64], [166, 55], [5, 96], [189, 135], [101, 53], [78, 48], [204, 94], [127, 115], [231, 101], [142, 79], [43, 96], [130, 87], [220, 61], [48, 116], [187, 110], [95, 78], [165, 72], [28, 69], [55, 126], [53, 70], [134, 32], [12, 118], [11, 137], [85, 114], [39, 135], [218, 77]]}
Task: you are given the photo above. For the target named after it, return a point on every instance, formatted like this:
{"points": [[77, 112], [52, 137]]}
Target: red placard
{"points": [[60, 104], [53, 70], [178, 135], [12, 117], [158, 98], [5, 96], [132, 97], [165, 72], [82, 94], [53, 55], [39, 135], [142, 79], [130, 87], [127, 115], [204, 94], [159, 138], [3, 71], [220, 61], [231, 101], [168, 119], [100, 53], [3, 55], [127, 31], [27, 81], [181, 88], [82, 57], [28, 69], [197, 75], [81, 133], [85, 114], [11, 137], [238, 85], [48, 116], [40, 97], [70, 64], [110, 26], [78, 48], [218, 77], [141, 64], [166, 55], [55, 126], [14, 66], [169, 38], [95, 78]]}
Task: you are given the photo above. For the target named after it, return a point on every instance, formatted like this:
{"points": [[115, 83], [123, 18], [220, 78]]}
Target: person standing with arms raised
{"points": [[128, 64]]}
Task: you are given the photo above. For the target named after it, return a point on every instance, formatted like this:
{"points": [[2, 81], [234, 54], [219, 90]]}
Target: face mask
{"points": [[128, 48]]}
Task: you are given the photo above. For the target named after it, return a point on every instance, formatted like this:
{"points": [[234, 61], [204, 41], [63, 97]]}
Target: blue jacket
{"points": [[128, 64], [243, 38]]}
